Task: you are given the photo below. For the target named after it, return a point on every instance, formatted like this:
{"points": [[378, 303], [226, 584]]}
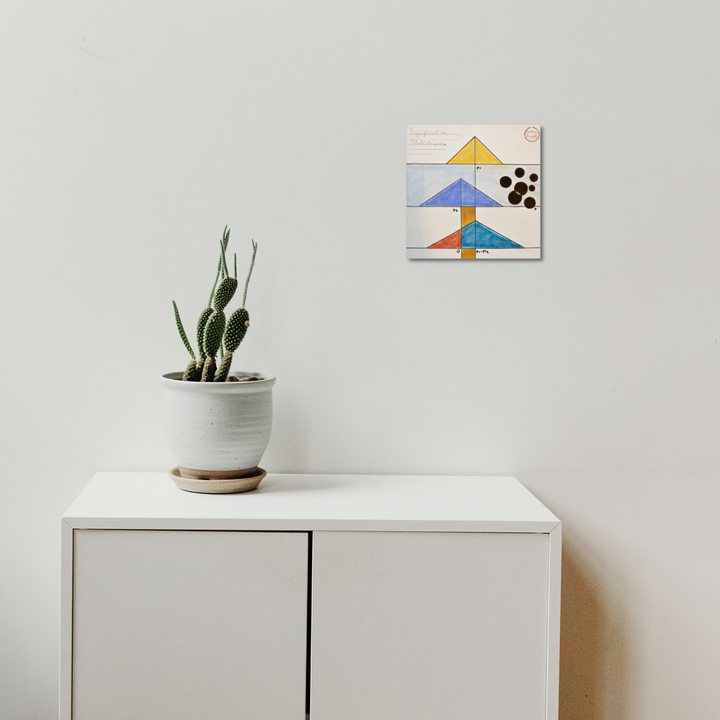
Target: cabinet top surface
{"points": [[137, 500]]}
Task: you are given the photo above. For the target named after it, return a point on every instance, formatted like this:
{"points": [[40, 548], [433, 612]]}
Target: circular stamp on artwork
{"points": [[532, 134]]}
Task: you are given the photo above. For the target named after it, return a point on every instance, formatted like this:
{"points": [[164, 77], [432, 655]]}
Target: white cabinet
{"points": [[348, 597], [429, 625], [178, 624]]}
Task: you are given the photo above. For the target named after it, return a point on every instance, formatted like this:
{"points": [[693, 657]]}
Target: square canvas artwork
{"points": [[473, 191]]}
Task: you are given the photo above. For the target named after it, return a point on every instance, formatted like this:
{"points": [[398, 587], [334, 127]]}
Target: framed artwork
{"points": [[473, 192]]}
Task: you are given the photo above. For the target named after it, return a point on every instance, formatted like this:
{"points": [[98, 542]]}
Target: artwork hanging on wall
{"points": [[473, 192]]}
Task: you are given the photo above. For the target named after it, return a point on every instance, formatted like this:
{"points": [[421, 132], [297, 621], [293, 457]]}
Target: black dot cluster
{"points": [[521, 188]]}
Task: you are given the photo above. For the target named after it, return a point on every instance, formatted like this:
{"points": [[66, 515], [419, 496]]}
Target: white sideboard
{"points": [[344, 597]]}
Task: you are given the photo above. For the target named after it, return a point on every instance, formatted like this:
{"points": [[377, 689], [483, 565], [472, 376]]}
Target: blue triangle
{"points": [[468, 236], [460, 194], [477, 235], [451, 196], [472, 197]]}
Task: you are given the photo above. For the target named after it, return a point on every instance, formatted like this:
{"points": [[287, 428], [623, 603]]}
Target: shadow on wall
{"points": [[593, 657]]}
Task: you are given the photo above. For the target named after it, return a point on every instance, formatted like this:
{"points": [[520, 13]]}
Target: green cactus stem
{"points": [[252, 265], [181, 330], [223, 248], [214, 330], [223, 262], [237, 326], [193, 372], [235, 330], [224, 369], [202, 322], [225, 293], [217, 277], [208, 371]]}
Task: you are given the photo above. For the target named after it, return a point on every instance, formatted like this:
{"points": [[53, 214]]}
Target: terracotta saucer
{"points": [[218, 485]]}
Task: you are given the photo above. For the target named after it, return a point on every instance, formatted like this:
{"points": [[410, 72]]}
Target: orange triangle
{"points": [[451, 241]]}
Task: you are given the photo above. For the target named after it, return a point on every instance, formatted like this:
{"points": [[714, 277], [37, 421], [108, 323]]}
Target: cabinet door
{"points": [[189, 625], [429, 626]]}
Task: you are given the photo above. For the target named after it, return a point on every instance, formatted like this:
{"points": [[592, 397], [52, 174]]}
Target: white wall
{"points": [[133, 132]]}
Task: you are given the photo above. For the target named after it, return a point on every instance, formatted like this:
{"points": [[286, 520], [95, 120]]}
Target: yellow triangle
{"points": [[483, 156], [474, 153]]}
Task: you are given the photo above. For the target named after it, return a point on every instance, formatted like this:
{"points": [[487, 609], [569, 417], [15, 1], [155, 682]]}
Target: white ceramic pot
{"points": [[217, 430]]}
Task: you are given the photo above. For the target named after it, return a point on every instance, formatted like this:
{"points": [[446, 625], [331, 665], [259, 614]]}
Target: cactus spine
{"points": [[213, 332]]}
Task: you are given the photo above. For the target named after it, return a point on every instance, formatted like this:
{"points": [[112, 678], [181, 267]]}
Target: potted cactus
{"points": [[218, 422]]}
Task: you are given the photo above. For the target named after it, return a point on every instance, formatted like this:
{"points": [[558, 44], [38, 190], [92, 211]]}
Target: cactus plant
{"points": [[215, 333]]}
